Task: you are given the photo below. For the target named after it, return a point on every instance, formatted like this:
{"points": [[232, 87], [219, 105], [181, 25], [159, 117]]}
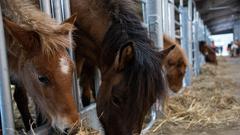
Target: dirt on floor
{"points": [[210, 106]]}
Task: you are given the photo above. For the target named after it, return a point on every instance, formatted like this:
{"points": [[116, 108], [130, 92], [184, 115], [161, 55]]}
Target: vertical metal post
{"points": [[66, 8], [154, 14], [144, 11], [236, 29], [5, 93], [46, 6], [165, 17], [196, 45], [171, 18], [194, 40], [57, 10], [190, 43], [185, 41]]}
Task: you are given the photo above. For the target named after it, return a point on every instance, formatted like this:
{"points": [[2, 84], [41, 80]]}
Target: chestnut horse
{"points": [[39, 63], [176, 64], [208, 53], [119, 45]]}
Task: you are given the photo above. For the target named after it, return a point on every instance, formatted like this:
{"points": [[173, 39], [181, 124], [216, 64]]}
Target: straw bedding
{"points": [[209, 102]]}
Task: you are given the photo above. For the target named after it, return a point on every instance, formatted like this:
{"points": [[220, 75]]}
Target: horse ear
{"points": [[71, 19], [163, 54], [124, 56], [68, 25], [25, 37]]}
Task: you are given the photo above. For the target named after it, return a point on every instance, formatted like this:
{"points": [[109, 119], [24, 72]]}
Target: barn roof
{"points": [[219, 15]]}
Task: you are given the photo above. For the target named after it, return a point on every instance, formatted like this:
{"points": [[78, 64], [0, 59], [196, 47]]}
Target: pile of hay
{"points": [[87, 131], [207, 103]]}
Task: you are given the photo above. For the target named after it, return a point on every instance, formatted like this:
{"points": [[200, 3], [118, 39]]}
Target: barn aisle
{"points": [[210, 106]]}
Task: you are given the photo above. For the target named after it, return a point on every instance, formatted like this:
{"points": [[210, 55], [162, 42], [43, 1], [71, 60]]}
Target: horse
{"points": [[237, 42], [131, 68], [208, 53], [39, 63], [176, 64]]}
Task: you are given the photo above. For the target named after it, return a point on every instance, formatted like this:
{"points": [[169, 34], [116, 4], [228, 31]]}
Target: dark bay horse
{"points": [[176, 64], [39, 63], [208, 53], [119, 45]]}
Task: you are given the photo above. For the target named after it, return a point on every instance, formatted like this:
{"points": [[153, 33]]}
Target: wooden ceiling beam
{"points": [[221, 27], [221, 20]]}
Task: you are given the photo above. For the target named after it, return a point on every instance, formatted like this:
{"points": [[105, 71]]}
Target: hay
{"points": [[207, 103], [87, 131]]}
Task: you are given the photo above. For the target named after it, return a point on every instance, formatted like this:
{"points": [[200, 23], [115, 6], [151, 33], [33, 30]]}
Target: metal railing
{"points": [[5, 93]]}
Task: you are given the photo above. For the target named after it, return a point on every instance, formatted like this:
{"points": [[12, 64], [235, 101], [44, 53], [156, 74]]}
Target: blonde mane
{"points": [[53, 35]]}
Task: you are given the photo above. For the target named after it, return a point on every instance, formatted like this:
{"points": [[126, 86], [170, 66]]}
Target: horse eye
{"points": [[171, 62], [116, 101], [43, 79]]}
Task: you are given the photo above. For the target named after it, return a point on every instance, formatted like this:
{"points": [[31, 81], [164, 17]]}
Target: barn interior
{"points": [[208, 102]]}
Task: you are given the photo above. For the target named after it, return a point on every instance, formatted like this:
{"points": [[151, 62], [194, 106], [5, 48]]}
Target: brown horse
{"points": [[237, 42], [209, 54], [119, 45], [176, 64], [39, 63]]}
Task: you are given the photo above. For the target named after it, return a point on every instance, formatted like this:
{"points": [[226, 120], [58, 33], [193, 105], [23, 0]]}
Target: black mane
{"points": [[144, 74]]}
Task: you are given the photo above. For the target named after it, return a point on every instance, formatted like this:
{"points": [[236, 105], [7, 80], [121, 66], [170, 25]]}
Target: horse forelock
{"points": [[53, 35], [177, 50]]}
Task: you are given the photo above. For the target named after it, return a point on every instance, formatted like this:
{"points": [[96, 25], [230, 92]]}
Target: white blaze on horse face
{"points": [[64, 65]]}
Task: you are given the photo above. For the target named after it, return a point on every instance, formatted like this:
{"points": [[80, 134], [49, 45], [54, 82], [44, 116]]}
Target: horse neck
{"points": [[92, 18]]}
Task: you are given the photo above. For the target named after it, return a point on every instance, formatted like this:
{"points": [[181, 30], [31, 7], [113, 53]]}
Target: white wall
{"points": [[222, 40]]}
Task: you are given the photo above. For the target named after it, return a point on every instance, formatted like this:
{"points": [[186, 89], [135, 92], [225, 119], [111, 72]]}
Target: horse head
{"points": [[131, 83], [45, 69], [175, 65]]}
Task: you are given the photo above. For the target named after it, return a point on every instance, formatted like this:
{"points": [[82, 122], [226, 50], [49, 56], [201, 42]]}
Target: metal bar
{"points": [[172, 19], [184, 41], [66, 8], [5, 93], [57, 10], [190, 32], [165, 17], [152, 121], [154, 14], [46, 6], [52, 8]]}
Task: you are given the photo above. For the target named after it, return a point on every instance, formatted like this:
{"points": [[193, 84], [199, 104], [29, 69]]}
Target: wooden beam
{"points": [[208, 4], [222, 32], [214, 15], [220, 20], [221, 27]]}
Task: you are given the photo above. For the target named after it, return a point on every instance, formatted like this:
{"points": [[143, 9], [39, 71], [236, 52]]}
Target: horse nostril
{"points": [[66, 130]]}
